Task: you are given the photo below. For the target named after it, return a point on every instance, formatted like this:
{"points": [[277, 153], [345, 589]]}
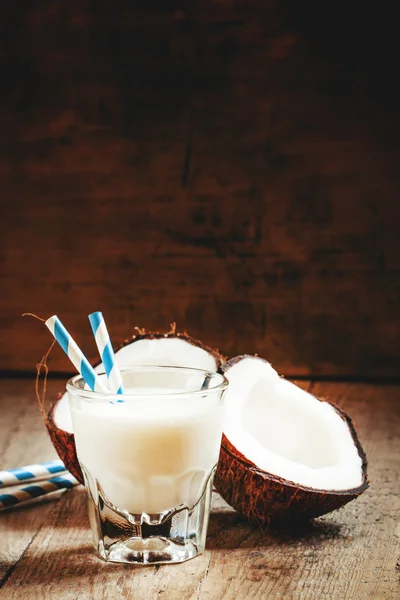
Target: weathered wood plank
{"points": [[21, 442], [204, 165], [352, 553]]}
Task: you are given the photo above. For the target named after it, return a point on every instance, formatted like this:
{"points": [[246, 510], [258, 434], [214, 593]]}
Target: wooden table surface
{"points": [[46, 550]]}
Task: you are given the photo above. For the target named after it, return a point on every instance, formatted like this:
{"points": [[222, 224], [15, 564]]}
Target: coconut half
{"points": [[171, 349], [285, 454]]}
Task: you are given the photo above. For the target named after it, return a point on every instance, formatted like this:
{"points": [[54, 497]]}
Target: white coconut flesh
{"points": [[168, 352], [286, 431]]}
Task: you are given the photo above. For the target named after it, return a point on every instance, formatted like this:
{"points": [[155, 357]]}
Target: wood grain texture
{"points": [[21, 442], [220, 165], [353, 553]]}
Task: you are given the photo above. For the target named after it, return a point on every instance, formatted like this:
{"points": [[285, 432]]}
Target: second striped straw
{"points": [[42, 488], [30, 473], [106, 352]]}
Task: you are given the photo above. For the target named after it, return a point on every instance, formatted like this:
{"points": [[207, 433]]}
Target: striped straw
{"points": [[30, 473], [24, 494], [106, 352], [75, 354]]}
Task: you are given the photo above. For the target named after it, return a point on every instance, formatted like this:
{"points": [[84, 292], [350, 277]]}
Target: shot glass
{"points": [[148, 458]]}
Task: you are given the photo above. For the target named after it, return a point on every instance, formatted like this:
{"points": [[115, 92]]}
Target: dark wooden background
{"points": [[231, 166]]}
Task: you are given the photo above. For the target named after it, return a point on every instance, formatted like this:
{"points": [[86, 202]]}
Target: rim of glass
{"points": [[74, 388]]}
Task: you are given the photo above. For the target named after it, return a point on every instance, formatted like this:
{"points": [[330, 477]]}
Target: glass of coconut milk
{"points": [[148, 459]]}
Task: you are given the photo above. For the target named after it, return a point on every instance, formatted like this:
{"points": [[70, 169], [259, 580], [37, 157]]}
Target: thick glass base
{"points": [[173, 536], [149, 552]]}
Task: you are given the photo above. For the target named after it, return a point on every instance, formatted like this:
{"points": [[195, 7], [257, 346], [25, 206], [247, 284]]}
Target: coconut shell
{"points": [[64, 441], [263, 497], [142, 334]]}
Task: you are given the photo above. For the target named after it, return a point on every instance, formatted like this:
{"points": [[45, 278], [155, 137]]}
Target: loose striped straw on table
{"points": [[75, 354], [18, 496], [106, 352], [30, 473]]}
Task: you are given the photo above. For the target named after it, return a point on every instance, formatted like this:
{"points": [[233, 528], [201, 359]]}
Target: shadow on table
{"points": [[229, 530], [68, 567]]}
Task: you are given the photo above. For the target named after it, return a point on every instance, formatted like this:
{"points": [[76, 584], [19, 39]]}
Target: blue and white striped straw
{"points": [[75, 354], [24, 494], [106, 352], [30, 473]]}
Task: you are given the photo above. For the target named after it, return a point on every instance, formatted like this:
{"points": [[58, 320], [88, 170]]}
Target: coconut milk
{"points": [[149, 455]]}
